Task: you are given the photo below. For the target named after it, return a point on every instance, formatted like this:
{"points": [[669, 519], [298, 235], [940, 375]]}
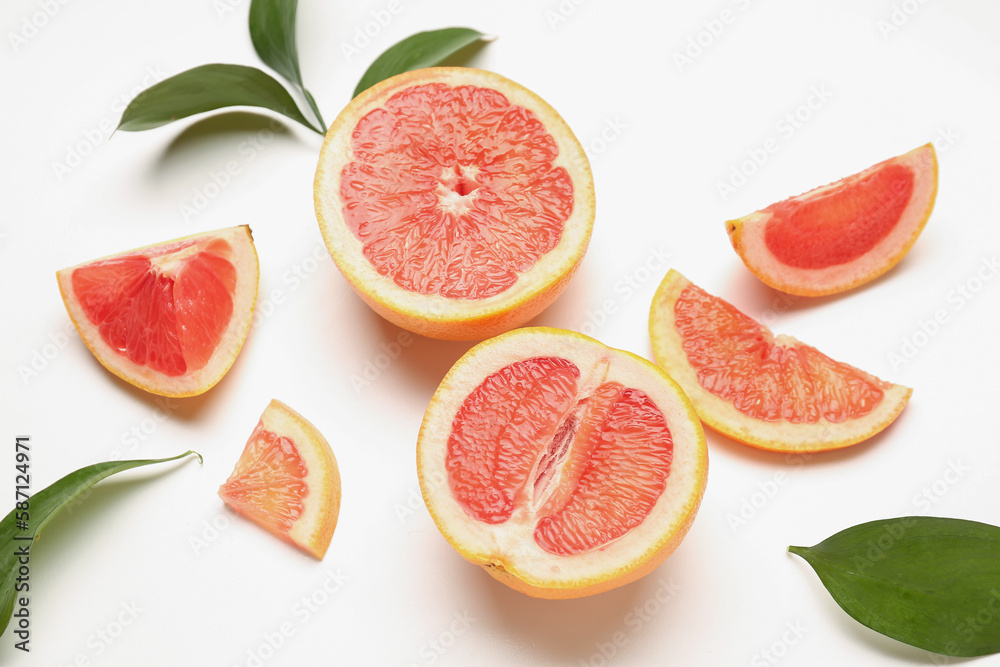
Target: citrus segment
{"points": [[169, 318], [841, 235], [768, 391], [456, 202], [562, 466], [287, 480]]}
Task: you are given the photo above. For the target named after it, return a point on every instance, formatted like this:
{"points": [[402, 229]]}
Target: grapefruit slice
{"points": [[287, 480], [842, 235], [456, 202], [770, 392], [168, 318], [563, 467]]}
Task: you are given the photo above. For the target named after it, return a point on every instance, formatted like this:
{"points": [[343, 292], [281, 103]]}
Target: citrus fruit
{"points": [[287, 480], [563, 467], [770, 392], [169, 318], [456, 202], [841, 235]]}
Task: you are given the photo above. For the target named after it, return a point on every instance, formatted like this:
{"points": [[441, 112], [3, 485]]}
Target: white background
{"points": [[672, 133]]}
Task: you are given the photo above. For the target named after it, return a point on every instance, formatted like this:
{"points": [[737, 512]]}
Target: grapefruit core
{"points": [[770, 392], [842, 235], [456, 202], [561, 466], [168, 318], [287, 480]]}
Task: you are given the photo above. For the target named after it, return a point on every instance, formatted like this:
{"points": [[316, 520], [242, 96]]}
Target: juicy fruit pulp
{"points": [[740, 361], [453, 190], [287, 480], [771, 392], [844, 234], [563, 467], [170, 322], [590, 467], [168, 318], [456, 202]]}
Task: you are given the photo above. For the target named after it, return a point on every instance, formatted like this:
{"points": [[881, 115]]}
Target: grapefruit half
{"points": [[770, 392], [842, 235], [168, 318], [563, 467], [456, 202], [287, 480]]}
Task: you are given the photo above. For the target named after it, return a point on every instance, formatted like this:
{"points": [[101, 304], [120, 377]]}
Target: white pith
{"points": [[321, 506], [511, 545], [243, 258], [723, 416], [747, 235], [347, 250]]}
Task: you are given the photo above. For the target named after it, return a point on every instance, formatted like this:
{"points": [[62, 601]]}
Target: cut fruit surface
{"points": [[562, 466], [168, 318], [842, 235], [456, 202], [287, 480], [767, 391]]}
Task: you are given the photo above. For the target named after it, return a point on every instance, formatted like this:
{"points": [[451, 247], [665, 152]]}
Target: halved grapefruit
{"points": [[842, 235], [169, 318], [770, 392], [456, 202], [563, 467], [287, 480]]}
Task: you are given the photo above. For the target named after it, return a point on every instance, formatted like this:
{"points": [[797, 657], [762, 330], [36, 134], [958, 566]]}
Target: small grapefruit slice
{"points": [[456, 202], [842, 235], [770, 392], [169, 318], [563, 467], [287, 480]]}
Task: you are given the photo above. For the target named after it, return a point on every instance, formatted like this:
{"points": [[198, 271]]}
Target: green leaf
{"points": [[930, 582], [207, 88], [424, 49], [42, 506], [272, 30]]}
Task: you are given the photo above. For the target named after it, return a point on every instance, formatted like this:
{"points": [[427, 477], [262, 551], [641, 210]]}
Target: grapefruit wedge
{"points": [[456, 202], [770, 392], [168, 318], [842, 235], [563, 467], [287, 480]]}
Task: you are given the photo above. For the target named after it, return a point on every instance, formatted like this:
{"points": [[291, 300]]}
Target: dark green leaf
{"points": [[424, 49], [272, 29], [930, 582], [42, 507], [206, 88]]}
